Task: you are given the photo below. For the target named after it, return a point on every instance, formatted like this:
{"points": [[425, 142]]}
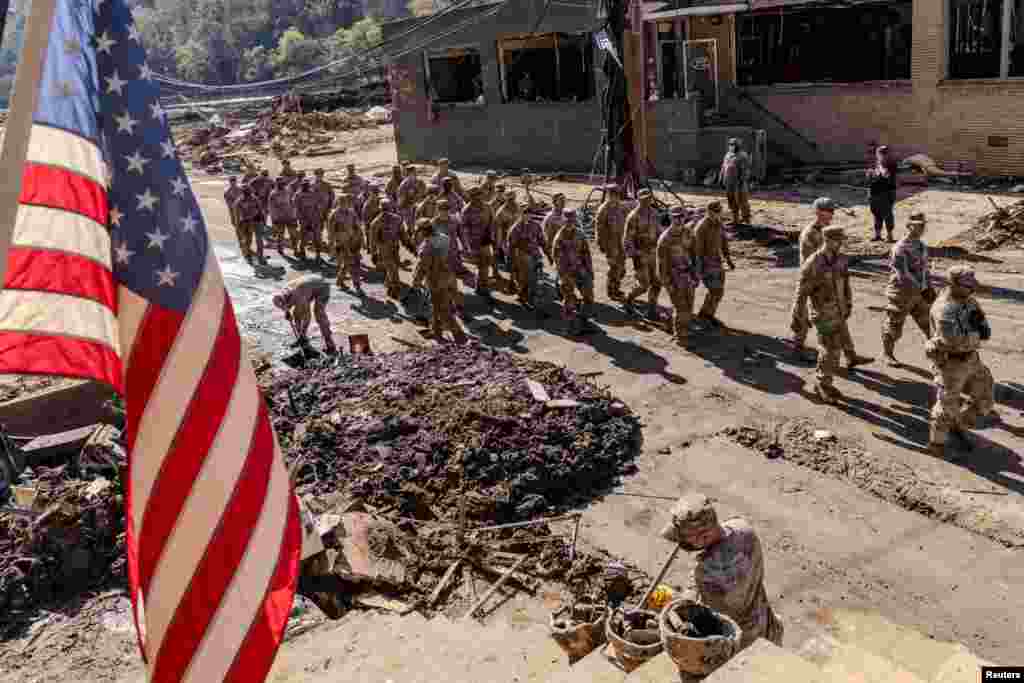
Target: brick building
{"points": [[824, 80]]}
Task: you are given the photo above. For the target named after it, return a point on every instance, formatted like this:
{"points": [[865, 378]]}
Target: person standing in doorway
{"points": [[882, 193]]}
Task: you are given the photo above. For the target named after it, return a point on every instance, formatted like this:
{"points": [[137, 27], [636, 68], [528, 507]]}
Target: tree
{"points": [[354, 45], [420, 8], [295, 53]]}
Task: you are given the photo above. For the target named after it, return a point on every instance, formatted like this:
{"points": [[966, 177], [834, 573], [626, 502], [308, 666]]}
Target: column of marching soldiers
{"points": [[446, 226]]}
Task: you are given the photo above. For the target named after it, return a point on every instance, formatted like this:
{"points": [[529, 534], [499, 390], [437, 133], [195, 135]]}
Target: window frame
{"points": [[443, 52], [586, 40], [1005, 31]]}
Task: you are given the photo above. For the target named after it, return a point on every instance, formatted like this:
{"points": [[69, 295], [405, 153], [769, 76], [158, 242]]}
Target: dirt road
{"points": [[868, 519]]}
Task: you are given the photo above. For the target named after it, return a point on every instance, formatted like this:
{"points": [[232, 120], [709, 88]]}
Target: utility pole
{"points": [[619, 157]]}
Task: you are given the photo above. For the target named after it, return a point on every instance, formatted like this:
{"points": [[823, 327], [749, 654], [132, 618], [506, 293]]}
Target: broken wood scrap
{"points": [[443, 583], [494, 589], [524, 583]]}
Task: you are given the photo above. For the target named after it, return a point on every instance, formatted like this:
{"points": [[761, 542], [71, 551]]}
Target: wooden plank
{"points": [[444, 582], [538, 391], [501, 582]]}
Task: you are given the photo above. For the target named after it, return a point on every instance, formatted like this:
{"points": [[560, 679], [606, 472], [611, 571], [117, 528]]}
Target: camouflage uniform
{"points": [[396, 179], [308, 207], [611, 223], [825, 283], [526, 247], [347, 239], [442, 173], [551, 224], [248, 212], [410, 192], [295, 300], [640, 242], [435, 266], [575, 272], [710, 249], [811, 241], [445, 225], [231, 195], [504, 218], [425, 209], [909, 290], [678, 273], [477, 226], [325, 193], [371, 209], [490, 188], [387, 235], [735, 174], [958, 328], [283, 217]]}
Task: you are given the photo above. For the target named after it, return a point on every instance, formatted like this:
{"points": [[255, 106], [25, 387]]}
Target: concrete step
{"points": [[850, 664], [594, 668], [764, 662]]}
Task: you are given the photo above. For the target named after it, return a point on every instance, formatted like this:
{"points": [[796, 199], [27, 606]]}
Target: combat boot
{"points": [[889, 346], [937, 449], [856, 359], [652, 313], [802, 353], [629, 307], [828, 393]]}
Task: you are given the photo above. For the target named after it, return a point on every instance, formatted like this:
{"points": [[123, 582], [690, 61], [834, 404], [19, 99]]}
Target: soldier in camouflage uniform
{"points": [[308, 206], [728, 576], [388, 236], [498, 198], [435, 266], [735, 175], [909, 290], [371, 209], [249, 213], [443, 172], [490, 188], [811, 241], [678, 273], [551, 225], [410, 192], [325, 192], [640, 243], [454, 198], [295, 301], [958, 327], [283, 216], [355, 185], [526, 248], [710, 250], [477, 225], [610, 222], [394, 182], [504, 218], [426, 209], [347, 239], [231, 196], [445, 223], [575, 272], [262, 185], [287, 171]]}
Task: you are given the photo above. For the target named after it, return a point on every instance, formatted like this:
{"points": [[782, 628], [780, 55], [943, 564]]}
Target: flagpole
{"points": [[19, 120]]}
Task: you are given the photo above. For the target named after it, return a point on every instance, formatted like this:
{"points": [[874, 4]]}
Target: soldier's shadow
{"points": [[377, 309], [748, 358]]}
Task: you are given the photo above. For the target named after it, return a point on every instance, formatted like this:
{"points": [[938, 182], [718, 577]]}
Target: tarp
{"points": [[690, 8]]}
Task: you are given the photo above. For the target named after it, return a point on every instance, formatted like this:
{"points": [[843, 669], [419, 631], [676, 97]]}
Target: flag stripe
{"points": [[41, 227], [59, 188], [205, 411], [51, 146], [131, 309], [34, 354], [238, 607], [60, 272], [235, 527], [266, 633], [59, 315], [206, 502]]}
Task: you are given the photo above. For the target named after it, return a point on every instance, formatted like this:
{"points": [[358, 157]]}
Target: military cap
{"points": [[917, 218], [612, 187], [691, 513], [443, 205], [410, 167], [962, 275], [265, 172], [558, 195], [644, 193], [834, 232], [492, 174], [883, 148], [511, 194], [677, 211], [499, 186], [396, 167], [715, 206], [318, 171], [824, 204], [350, 165], [475, 191]]}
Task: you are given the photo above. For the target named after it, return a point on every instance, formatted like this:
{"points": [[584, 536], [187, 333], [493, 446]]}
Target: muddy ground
{"points": [[866, 518]]}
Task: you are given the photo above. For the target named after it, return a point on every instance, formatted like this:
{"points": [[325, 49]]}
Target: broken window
{"points": [[552, 67], [833, 44], [454, 75], [669, 66], [1016, 56], [976, 38]]}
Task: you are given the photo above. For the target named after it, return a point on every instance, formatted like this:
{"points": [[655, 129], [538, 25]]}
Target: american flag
{"points": [[112, 277]]}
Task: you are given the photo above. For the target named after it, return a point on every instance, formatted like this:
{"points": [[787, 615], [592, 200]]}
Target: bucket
{"points": [[359, 343], [579, 629], [710, 639], [632, 649]]}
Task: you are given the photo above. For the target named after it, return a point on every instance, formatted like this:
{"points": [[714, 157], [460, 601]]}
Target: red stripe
{"points": [[60, 188], [43, 354], [157, 331], [199, 426], [224, 553], [254, 659], [60, 272]]}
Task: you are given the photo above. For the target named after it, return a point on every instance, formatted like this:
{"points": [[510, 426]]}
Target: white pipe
{"points": [[705, 11]]}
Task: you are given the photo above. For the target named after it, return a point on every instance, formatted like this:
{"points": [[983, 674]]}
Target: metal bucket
{"points": [[642, 644], [716, 641], [579, 629]]}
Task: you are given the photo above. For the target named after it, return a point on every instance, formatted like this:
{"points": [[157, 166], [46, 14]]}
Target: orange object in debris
{"points": [[359, 343]]}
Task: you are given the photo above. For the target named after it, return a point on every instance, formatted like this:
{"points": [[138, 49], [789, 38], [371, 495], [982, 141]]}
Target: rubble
{"points": [[1002, 227]]}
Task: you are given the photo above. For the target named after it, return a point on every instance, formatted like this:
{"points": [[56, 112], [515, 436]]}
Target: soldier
{"points": [[527, 180], [425, 209], [611, 225], [551, 225], [710, 249], [231, 195], [909, 291], [325, 193], [445, 223], [729, 573], [449, 192], [958, 328], [640, 243], [504, 218], [434, 266], [526, 249], [387, 235], [295, 301], [477, 226], [882, 192], [308, 208], [678, 273], [371, 209], [825, 283], [499, 198], [391, 189], [286, 169], [347, 239], [811, 240], [282, 216], [262, 185], [735, 174], [410, 192], [490, 188], [248, 212], [354, 184], [442, 173], [575, 272]]}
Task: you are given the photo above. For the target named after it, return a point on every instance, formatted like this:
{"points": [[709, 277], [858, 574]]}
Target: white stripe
{"points": [[209, 497], [57, 314], [131, 309], [55, 147], [41, 227], [178, 380], [244, 598]]}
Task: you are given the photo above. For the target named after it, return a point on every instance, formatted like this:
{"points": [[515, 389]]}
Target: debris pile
{"points": [[1002, 227], [18, 386], [412, 459]]}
